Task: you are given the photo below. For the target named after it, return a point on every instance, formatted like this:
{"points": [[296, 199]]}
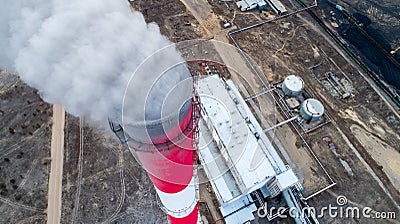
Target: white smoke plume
{"points": [[80, 53]]}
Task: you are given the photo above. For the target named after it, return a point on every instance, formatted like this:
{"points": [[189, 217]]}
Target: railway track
{"points": [[394, 97], [371, 39]]}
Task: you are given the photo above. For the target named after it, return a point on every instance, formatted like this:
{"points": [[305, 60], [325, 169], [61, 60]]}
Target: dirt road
{"points": [[56, 168]]}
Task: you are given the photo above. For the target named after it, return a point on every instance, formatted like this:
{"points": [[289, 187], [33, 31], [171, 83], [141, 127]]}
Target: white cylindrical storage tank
{"points": [[292, 85], [311, 109]]}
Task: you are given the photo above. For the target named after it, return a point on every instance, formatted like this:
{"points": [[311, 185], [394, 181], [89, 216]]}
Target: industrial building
{"points": [[241, 163], [277, 6], [246, 5]]}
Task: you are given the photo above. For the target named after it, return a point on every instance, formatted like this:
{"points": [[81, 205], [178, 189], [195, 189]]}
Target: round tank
{"points": [[292, 85], [311, 109]]}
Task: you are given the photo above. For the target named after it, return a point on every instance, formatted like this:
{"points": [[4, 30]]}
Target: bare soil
{"points": [[25, 133]]}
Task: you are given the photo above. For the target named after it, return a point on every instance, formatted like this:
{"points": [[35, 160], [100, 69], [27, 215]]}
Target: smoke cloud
{"points": [[80, 53]]}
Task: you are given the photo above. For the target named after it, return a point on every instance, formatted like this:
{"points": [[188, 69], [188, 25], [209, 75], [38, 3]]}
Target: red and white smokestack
{"points": [[171, 169], [163, 139]]}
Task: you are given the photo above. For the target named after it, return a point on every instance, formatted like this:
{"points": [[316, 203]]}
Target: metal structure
{"points": [[277, 6], [311, 109], [247, 5], [292, 85]]}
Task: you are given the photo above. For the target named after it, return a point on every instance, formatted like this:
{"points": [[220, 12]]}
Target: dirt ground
{"points": [[102, 181], [25, 134], [389, 158]]}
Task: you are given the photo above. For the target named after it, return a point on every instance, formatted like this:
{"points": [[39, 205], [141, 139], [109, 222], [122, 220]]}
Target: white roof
{"points": [[313, 106], [242, 4], [294, 83], [286, 179], [215, 168], [249, 4], [234, 216], [227, 113], [240, 163], [277, 4], [261, 3]]}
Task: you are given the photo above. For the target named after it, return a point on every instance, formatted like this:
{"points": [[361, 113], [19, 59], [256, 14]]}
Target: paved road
{"points": [[56, 169]]}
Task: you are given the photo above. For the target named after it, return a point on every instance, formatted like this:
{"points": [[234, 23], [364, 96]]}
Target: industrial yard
{"points": [[347, 144]]}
